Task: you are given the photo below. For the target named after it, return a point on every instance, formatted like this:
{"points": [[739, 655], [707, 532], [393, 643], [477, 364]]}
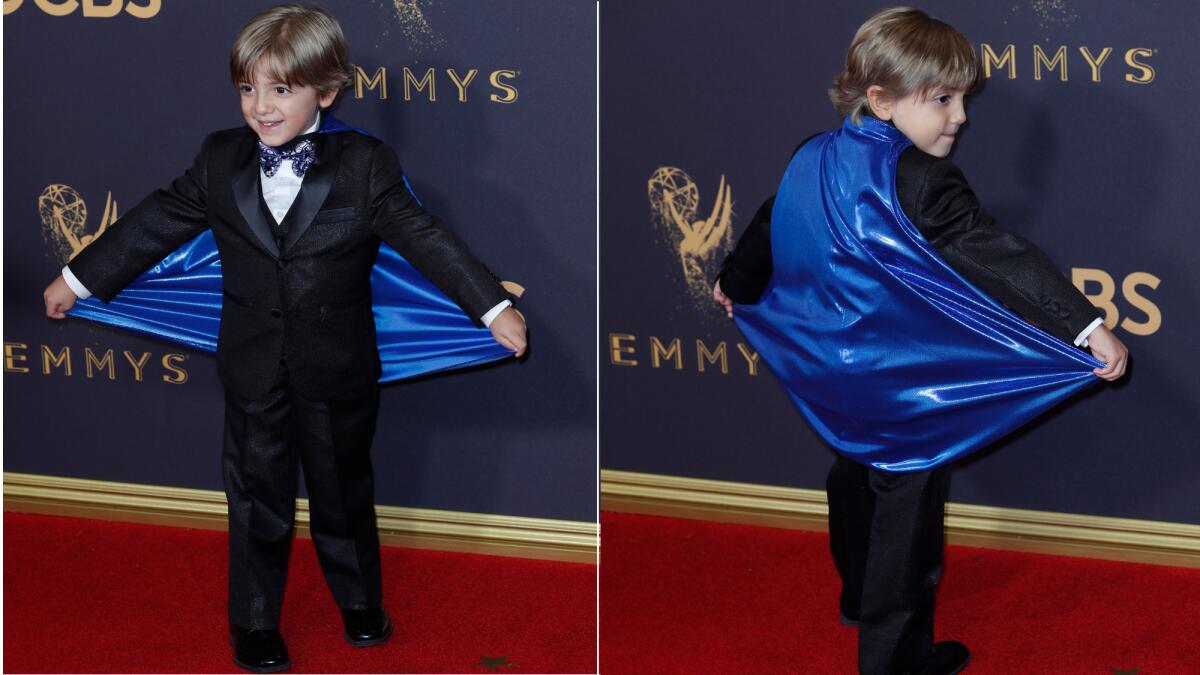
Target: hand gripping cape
{"points": [[419, 329], [895, 359]]}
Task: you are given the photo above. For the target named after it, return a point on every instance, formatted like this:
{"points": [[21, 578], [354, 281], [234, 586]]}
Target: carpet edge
{"points": [[1076, 535], [434, 529]]}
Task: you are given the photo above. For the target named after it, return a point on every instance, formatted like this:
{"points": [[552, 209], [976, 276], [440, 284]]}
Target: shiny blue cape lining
{"points": [[419, 329], [896, 360]]}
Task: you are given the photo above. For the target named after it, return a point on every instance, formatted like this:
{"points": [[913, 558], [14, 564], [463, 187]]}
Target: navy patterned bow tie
{"points": [[302, 156]]}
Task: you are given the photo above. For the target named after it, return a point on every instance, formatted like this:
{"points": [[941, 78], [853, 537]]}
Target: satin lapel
{"points": [[315, 188], [246, 189]]}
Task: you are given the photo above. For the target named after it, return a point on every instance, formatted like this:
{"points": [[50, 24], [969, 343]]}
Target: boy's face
{"points": [[931, 122], [277, 111]]}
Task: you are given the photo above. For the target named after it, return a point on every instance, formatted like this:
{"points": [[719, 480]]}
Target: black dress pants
{"points": [[266, 439], [886, 535]]}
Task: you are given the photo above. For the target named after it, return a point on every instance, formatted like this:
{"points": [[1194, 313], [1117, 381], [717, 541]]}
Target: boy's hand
{"points": [[1106, 347], [508, 328], [59, 298], [722, 299]]}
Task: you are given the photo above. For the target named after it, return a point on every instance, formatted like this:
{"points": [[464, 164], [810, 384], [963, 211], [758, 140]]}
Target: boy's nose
{"points": [[959, 114], [260, 105]]}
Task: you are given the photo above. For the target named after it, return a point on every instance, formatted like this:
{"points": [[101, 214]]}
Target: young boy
{"points": [[905, 78], [298, 218]]}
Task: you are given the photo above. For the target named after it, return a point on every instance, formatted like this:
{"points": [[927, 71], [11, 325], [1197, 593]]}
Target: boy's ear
{"points": [[879, 102], [325, 98]]}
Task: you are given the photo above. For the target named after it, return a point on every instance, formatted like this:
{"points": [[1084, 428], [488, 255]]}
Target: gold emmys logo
{"points": [[91, 8], [426, 85], [1044, 64], [64, 219], [97, 364], [700, 243]]}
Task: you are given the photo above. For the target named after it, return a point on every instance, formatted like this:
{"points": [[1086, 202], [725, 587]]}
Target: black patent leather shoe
{"points": [[366, 627], [259, 650], [947, 658]]}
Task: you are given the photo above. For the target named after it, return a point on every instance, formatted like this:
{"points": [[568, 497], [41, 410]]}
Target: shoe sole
{"points": [[373, 641], [963, 666], [846, 621], [270, 669], [257, 669]]}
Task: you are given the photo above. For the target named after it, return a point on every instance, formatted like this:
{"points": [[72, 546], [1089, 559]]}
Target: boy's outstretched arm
{"points": [[936, 197]]}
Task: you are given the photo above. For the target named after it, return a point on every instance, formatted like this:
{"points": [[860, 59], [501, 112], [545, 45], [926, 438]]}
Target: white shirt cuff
{"points": [[494, 312], [1081, 339], [76, 287]]}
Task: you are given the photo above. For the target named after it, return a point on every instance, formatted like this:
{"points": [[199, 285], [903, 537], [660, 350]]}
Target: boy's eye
{"points": [[282, 90], [943, 99], [244, 88]]}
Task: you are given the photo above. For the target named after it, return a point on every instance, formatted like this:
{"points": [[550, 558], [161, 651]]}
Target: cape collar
{"points": [[332, 125], [873, 128]]}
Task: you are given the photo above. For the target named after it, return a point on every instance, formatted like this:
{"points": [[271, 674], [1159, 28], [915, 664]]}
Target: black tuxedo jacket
{"points": [[935, 196], [308, 297]]}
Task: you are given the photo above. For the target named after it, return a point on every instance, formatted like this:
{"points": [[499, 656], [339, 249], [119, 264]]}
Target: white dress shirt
{"points": [[279, 191], [1081, 339]]}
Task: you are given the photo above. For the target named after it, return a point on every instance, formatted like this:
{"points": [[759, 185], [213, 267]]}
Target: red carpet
{"points": [[685, 596], [86, 596]]}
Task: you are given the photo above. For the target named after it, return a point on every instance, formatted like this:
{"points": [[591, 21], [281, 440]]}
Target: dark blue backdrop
{"points": [[121, 104], [1099, 173]]}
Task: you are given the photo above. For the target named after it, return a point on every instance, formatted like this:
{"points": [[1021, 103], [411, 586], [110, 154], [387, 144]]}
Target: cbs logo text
{"points": [[98, 9]]}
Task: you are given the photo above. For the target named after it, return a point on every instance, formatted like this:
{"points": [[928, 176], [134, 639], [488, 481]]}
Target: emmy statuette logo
{"points": [[700, 239], [700, 243], [64, 219]]}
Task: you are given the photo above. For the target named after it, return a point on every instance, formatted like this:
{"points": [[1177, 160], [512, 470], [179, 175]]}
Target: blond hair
{"points": [[905, 51], [300, 44]]}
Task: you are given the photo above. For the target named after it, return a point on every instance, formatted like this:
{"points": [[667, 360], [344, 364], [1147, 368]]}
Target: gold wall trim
{"points": [[517, 536], [1145, 541]]}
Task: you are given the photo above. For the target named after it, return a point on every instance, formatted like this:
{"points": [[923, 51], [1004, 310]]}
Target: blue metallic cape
{"points": [[419, 329], [896, 360]]}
